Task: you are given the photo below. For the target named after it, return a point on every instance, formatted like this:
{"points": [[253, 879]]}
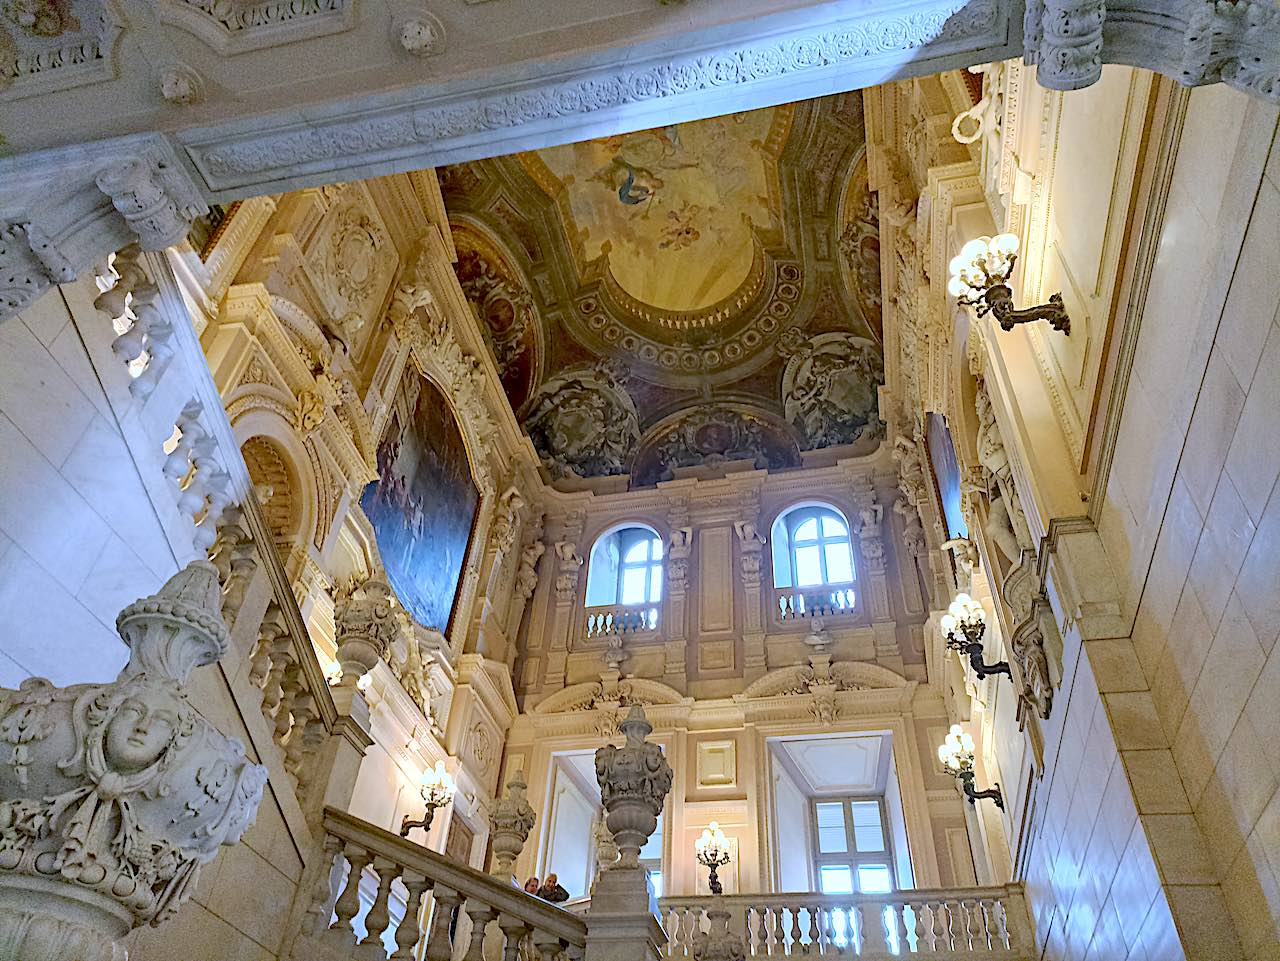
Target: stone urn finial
{"points": [[367, 626], [634, 781], [511, 822], [112, 796]]}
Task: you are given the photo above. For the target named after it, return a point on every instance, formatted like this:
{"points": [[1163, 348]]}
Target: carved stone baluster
{"points": [[379, 916], [348, 903], [409, 931], [291, 687], [313, 735], [321, 907], [273, 688], [547, 945], [439, 944], [260, 663], [779, 931], [480, 914], [303, 710], [244, 564], [797, 933], [815, 934], [514, 931]]}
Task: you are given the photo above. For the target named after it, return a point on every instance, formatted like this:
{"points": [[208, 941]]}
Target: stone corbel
{"points": [[157, 200], [1196, 42]]}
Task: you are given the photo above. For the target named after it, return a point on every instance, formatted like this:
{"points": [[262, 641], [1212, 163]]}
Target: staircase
{"points": [[421, 898]]}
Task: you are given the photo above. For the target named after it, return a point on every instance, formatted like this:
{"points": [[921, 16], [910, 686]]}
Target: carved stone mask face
{"points": [[138, 734]]}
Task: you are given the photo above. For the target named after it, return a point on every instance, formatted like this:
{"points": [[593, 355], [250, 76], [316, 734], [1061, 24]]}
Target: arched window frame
{"points": [[629, 536], [786, 564]]}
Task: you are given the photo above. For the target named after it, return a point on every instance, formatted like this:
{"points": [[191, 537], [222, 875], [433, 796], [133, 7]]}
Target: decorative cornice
{"points": [[433, 129]]}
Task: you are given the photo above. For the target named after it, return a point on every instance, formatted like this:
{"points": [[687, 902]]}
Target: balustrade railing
{"points": [[828, 600], [621, 619], [960, 924], [408, 874]]}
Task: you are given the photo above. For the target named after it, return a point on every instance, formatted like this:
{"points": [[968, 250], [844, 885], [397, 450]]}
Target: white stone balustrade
{"points": [[337, 928], [143, 334], [621, 619], [950, 925], [827, 600]]}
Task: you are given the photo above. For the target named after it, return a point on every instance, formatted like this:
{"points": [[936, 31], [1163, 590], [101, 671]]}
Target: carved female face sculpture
{"points": [[138, 733]]}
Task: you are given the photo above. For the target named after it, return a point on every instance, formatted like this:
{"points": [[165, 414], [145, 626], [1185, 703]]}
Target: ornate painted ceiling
{"points": [[684, 296]]}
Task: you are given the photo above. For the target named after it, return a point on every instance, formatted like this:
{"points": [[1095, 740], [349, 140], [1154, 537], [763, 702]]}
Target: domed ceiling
{"points": [[684, 296]]}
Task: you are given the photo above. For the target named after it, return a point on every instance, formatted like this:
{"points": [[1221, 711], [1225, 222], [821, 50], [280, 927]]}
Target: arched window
{"points": [[813, 568], [625, 568], [811, 547]]}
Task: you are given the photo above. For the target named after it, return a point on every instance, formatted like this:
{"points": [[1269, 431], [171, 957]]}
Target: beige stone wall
{"points": [[1154, 828]]}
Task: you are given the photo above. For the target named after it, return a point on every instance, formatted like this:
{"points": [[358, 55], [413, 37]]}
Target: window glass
{"points": [[633, 585], [868, 834], [808, 566], [807, 531], [655, 879], [831, 834], [874, 878], [839, 564], [832, 526], [835, 879], [638, 553], [655, 585]]}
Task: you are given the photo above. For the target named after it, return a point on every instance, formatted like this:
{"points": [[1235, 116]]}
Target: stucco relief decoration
{"points": [[1006, 522], [235, 26], [112, 796], [356, 260], [829, 390], [859, 244], [48, 45], [712, 435], [845, 43], [583, 422], [420, 33], [501, 300], [1236, 42]]}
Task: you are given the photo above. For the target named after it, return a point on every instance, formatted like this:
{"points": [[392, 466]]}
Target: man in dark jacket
{"points": [[552, 891]]}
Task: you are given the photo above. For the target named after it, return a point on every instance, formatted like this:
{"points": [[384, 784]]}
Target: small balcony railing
{"points": [[977, 923], [826, 600], [621, 619]]}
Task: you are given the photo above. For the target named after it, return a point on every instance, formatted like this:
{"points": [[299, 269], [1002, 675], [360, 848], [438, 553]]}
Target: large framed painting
{"points": [[946, 474], [424, 503]]}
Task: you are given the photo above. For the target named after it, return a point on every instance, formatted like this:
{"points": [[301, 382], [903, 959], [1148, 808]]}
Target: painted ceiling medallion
{"points": [[731, 266]]}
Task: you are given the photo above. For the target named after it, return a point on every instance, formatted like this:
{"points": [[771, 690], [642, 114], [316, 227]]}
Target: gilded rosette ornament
{"points": [[634, 781], [112, 796]]}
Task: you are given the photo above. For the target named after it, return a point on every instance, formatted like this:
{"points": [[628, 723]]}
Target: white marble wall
{"points": [[1158, 829], [85, 529], [79, 538]]}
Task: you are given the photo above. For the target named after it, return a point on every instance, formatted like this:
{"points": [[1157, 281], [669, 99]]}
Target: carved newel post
{"points": [[634, 781], [112, 796], [510, 824]]}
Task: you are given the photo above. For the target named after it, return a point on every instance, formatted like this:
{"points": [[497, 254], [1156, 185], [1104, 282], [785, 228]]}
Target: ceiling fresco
{"points": [[683, 297], [675, 231]]}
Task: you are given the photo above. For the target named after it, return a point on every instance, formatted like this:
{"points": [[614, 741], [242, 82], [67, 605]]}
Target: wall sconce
{"points": [[437, 791], [956, 755], [967, 616], [713, 852], [980, 279]]}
